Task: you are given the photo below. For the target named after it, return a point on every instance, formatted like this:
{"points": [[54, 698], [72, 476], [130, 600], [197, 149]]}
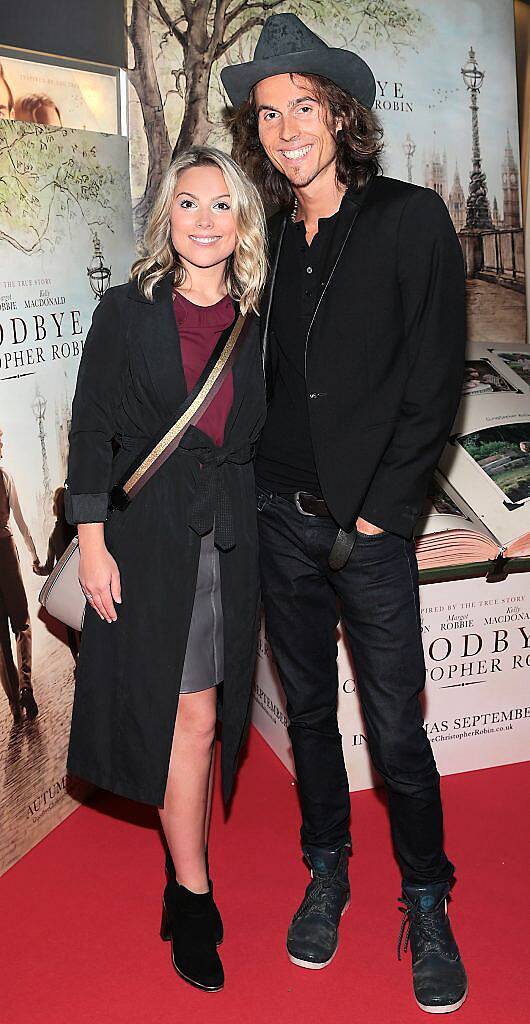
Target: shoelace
{"points": [[428, 925], [321, 888]]}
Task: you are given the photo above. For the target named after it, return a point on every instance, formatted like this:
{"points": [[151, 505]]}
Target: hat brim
{"points": [[347, 70]]}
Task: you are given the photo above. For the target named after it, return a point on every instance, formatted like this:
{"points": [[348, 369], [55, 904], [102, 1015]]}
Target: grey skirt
{"points": [[204, 659]]}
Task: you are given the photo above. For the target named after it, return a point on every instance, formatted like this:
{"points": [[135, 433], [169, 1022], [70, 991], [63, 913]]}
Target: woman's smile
{"points": [[205, 239]]}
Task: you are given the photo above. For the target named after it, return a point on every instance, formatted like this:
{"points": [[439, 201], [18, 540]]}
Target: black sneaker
{"points": [[28, 702], [312, 939], [438, 974]]}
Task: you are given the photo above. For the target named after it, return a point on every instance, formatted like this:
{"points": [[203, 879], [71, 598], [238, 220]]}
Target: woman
{"points": [[172, 582]]}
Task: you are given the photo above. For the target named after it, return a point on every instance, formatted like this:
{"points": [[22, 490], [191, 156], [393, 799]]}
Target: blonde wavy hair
{"points": [[246, 268]]}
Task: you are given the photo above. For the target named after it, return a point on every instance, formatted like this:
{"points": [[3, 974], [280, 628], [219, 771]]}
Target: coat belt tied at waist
{"points": [[212, 504]]}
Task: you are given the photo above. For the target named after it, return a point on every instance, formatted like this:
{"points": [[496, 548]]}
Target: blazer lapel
{"points": [[348, 213], [277, 227]]}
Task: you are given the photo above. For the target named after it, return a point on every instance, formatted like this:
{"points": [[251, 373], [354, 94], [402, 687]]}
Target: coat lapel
{"points": [[159, 340], [157, 334], [240, 371]]}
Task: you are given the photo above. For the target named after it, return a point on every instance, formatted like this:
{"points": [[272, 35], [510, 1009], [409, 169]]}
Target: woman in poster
{"points": [[172, 582]]}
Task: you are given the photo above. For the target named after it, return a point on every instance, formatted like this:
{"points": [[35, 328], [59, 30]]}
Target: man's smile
{"points": [[296, 155]]}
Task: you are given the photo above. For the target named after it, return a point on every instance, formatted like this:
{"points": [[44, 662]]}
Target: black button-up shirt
{"points": [[285, 461]]}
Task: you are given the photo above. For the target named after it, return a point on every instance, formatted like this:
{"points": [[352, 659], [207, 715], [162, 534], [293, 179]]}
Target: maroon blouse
{"points": [[200, 328]]}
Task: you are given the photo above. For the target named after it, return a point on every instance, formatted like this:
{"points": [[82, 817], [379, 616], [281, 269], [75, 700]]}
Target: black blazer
{"points": [[384, 352]]}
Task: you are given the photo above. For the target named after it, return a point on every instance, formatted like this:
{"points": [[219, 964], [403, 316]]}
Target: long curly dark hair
{"points": [[359, 142]]}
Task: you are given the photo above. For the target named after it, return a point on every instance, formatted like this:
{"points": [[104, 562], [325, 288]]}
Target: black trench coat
{"points": [[130, 385]]}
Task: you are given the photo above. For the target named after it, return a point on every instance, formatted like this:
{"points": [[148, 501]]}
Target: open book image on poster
{"points": [[519, 362], [476, 518], [503, 454], [481, 377]]}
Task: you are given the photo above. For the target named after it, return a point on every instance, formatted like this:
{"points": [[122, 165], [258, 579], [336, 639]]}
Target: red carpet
{"points": [[80, 913]]}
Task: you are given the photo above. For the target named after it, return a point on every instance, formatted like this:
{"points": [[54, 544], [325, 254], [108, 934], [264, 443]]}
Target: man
{"points": [[363, 344], [6, 98], [14, 605]]}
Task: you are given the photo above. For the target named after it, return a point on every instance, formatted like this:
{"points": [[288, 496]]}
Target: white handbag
{"points": [[62, 595]]}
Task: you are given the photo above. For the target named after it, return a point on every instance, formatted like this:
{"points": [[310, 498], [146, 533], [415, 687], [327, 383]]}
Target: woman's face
{"points": [[203, 228]]}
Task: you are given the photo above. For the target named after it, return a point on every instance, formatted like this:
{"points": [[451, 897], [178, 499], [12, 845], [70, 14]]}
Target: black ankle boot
{"points": [[217, 920], [187, 921], [438, 975], [28, 702], [312, 939]]}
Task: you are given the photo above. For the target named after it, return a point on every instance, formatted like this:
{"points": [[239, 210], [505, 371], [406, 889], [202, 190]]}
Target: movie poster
{"points": [[476, 641], [58, 95], [446, 96], [65, 236]]}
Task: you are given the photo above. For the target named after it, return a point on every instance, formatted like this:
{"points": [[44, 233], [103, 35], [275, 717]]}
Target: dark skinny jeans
{"points": [[376, 596]]}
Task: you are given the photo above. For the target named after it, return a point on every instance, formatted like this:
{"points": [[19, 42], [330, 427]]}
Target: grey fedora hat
{"points": [[286, 46]]}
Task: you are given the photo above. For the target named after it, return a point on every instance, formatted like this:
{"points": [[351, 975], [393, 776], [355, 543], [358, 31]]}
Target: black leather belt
{"points": [[308, 505]]}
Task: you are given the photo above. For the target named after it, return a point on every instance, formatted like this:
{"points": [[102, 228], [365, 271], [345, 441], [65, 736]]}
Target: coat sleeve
{"points": [[97, 396], [432, 286]]}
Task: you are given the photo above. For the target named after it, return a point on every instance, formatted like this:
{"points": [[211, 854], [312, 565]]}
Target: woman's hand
{"points": [[99, 575]]}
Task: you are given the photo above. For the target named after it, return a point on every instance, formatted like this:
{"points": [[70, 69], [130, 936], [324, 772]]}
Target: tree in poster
{"points": [[204, 32], [50, 178]]}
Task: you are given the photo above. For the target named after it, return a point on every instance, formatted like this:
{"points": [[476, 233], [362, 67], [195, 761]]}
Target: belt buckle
{"points": [[301, 510]]}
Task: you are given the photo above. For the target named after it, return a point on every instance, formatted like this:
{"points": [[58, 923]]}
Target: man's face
{"points": [[5, 107], [295, 129]]}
